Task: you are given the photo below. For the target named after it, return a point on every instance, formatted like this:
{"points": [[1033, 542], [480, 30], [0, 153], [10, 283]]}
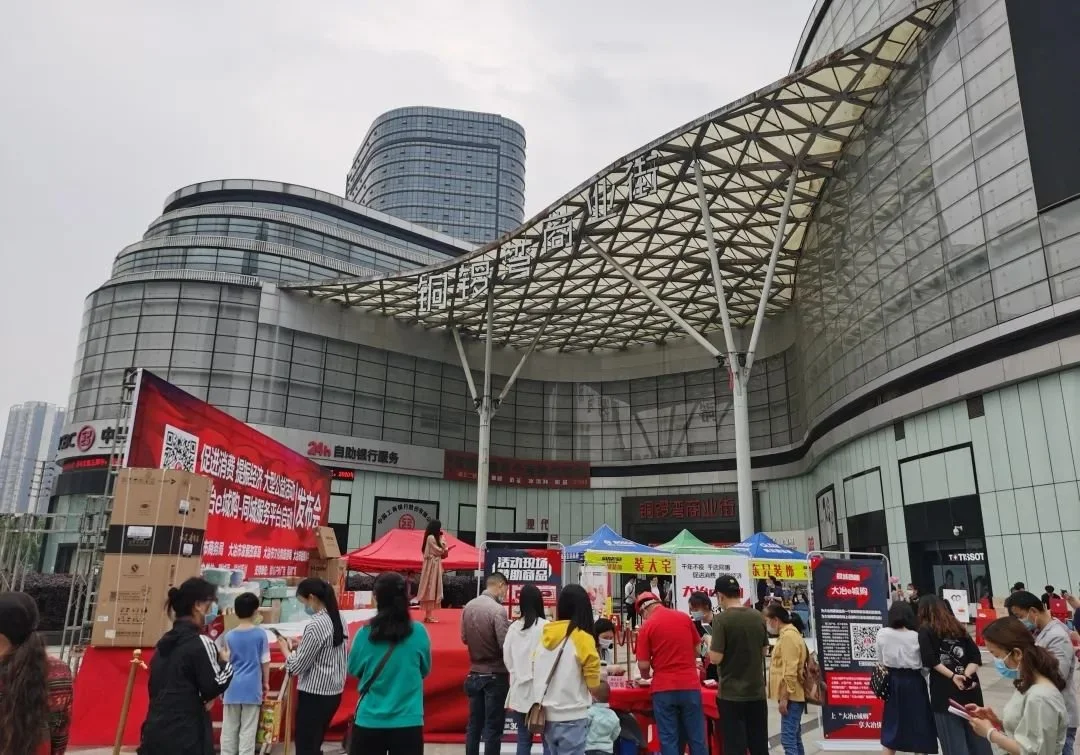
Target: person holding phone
{"points": [[430, 589], [1034, 721], [953, 660]]}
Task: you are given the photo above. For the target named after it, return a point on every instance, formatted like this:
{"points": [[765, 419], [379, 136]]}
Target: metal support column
{"points": [[738, 369], [486, 409]]}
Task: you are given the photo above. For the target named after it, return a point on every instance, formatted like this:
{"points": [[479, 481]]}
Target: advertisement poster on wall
{"points": [[402, 514], [595, 580], [850, 604], [266, 500], [698, 573], [827, 522], [539, 566]]}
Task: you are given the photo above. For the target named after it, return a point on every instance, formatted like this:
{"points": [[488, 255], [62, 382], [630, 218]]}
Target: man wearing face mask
{"points": [[667, 649], [483, 629], [1054, 636]]}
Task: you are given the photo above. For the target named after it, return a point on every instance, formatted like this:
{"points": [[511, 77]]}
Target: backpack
{"points": [[810, 679]]}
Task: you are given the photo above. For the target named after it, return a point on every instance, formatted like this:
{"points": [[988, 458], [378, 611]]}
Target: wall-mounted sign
{"points": [[344, 452], [402, 514], [93, 438], [974, 557], [827, 523], [522, 473], [712, 507]]}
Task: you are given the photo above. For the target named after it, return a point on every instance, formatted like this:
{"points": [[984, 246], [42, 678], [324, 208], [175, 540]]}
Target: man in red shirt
{"points": [[667, 648]]}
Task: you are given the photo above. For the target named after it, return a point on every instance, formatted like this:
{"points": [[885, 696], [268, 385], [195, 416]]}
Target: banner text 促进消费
{"points": [[266, 500]]}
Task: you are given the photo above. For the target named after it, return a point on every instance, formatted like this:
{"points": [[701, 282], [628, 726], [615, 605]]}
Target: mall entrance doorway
{"points": [[946, 547]]}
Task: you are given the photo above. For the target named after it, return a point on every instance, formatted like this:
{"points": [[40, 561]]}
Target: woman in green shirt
{"points": [[391, 656]]}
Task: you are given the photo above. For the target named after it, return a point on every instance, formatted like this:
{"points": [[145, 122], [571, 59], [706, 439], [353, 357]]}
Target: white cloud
{"points": [[109, 106]]}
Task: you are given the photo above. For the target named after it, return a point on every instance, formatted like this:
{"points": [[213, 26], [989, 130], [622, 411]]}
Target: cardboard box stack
{"points": [[154, 542], [329, 565]]}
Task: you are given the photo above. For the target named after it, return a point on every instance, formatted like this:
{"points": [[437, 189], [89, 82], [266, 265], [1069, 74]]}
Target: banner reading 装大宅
{"points": [[539, 566], [851, 599]]}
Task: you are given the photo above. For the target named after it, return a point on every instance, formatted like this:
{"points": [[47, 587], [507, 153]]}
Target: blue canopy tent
{"points": [[762, 547], [607, 540]]}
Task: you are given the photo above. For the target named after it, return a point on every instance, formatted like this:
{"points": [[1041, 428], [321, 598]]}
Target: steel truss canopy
{"points": [[555, 283]]}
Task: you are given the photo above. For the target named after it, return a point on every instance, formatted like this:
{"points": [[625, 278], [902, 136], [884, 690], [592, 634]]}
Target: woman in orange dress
{"points": [[430, 590]]}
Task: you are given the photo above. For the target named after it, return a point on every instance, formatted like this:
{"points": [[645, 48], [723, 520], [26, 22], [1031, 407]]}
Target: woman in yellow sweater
{"points": [[785, 685]]}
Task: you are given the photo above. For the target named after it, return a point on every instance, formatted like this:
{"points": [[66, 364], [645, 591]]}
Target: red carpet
{"points": [[99, 691]]}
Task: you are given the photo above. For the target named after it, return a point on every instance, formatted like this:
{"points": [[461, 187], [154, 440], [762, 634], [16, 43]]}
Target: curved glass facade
{"points": [[928, 232], [458, 172]]}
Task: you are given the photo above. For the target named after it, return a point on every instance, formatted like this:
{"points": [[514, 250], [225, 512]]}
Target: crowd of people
{"points": [[1029, 647]]}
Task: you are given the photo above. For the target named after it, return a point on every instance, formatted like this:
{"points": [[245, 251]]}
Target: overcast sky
{"points": [[108, 106]]}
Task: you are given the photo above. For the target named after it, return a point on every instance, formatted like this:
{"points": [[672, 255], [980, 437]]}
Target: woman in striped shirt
{"points": [[318, 662], [35, 689]]}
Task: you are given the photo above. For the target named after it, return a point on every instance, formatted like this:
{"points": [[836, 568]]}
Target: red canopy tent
{"points": [[399, 550]]}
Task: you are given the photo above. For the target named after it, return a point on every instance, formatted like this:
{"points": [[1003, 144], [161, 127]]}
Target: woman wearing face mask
{"points": [[785, 686], [1034, 721], [35, 689], [187, 672], [318, 661], [522, 640]]}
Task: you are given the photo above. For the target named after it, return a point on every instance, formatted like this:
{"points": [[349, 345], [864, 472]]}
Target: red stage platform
{"points": [[99, 691]]}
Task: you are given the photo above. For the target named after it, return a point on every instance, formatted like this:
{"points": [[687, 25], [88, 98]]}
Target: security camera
{"points": [[957, 530]]}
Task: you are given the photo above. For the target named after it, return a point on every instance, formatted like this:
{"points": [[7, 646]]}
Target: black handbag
{"points": [[879, 682]]}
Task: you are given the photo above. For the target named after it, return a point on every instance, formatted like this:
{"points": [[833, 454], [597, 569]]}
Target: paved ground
{"points": [[996, 691]]}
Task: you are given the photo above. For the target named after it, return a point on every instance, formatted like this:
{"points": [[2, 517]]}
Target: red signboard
{"points": [[523, 473], [87, 462], [689, 506], [266, 500]]}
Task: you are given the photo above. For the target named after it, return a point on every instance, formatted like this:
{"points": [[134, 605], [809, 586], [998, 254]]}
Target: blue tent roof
{"points": [[759, 545], [609, 541]]}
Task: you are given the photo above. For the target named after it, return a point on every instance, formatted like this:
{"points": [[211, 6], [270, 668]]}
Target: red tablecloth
{"points": [[638, 701], [99, 691]]}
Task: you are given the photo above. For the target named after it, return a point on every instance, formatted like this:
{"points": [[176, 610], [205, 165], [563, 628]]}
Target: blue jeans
{"points": [[680, 721], [566, 737], [1070, 740], [791, 729], [524, 736], [487, 712]]}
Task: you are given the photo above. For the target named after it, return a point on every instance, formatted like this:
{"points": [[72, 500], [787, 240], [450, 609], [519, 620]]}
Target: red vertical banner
{"points": [[266, 500]]}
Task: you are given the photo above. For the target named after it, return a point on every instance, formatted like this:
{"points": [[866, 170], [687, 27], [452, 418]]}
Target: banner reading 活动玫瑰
{"points": [[850, 600]]}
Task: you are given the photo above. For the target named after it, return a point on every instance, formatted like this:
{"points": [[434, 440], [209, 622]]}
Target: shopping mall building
{"points": [[901, 199]]}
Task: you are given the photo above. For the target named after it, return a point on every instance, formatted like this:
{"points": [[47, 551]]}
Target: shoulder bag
{"points": [[347, 740], [536, 718], [879, 682], [810, 678]]}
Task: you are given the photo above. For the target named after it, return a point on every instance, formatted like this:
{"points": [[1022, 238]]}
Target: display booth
{"points": [[770, 559], [402, 551], [698, 564]]}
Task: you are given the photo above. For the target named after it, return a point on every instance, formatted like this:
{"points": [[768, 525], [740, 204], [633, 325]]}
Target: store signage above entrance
{"points": [[975, 557], [718, 507], [520, 473], [342, 451], [92, 438]]}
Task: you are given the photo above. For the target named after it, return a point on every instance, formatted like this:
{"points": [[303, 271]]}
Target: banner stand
{"points": [[876, 599]]}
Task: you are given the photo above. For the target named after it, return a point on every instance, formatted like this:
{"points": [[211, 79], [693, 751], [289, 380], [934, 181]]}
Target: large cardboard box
{"points": [[161, 498], [332, 570], [131, 600], [328, 544]]}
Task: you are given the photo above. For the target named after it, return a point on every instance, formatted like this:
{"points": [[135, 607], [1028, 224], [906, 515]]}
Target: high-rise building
{"points": [[454, 171], [26, 466]]}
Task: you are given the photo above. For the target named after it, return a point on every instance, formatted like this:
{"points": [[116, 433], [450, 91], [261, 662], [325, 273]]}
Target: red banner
{"points": [[522, 473], [266, 500]]}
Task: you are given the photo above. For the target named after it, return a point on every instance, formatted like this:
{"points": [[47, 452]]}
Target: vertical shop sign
{"points": [[850, 605]]}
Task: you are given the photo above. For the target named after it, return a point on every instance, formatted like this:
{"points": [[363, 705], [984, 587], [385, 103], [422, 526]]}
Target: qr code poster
{"points": [[179, 450], [864, 642]]}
